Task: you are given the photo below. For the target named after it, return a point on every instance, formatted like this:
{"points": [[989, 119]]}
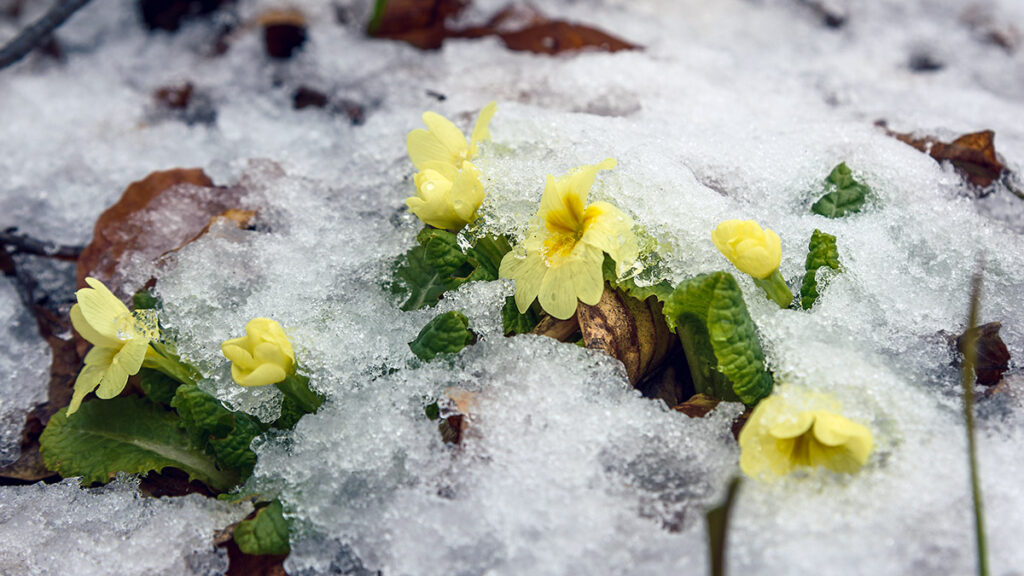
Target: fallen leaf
{"points": [[138, 225], [170, 14], [454, 410], [629, 330], [973, 155], [993, 358], [526, 29], [560, 330], [421, 23], [306, 97], [698, 406]]}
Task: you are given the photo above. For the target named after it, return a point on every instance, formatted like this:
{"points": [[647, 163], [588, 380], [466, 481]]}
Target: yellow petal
{"points": [[481, 130], [101, 309], [610, 230], [586, 274], [558, 292], [792, 426], [237, 354], [263, 375], [467, 193], [269, 353], [87, 381], [528, 272], [114, 380], [447, 133], [557, 209], [424, 148], [582, 178], [86, 330]]}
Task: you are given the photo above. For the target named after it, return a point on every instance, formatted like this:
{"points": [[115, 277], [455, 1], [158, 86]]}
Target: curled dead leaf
{"points": [[455, 409], [993, 358], [973, 155], [632, 331], [284, 32], [698, 406]]}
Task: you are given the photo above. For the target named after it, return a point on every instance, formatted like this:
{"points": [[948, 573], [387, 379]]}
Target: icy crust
{"points": [[110, 531], [564, 469], [25, 366]]}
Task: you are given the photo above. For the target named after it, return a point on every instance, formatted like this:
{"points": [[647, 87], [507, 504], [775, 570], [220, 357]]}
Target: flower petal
{"points": [[87, 381], [236, 351], [101, 309], [558, 292], [481, 130], [610, 230], [792, 426], [425, 147], [263, 375], [528, 273], [467, 193], [586, 274], [88, 332]]}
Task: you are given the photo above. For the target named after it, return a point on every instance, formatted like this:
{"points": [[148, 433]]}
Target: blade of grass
{"points": [[718, 527], [379, 6], [967, 379]]}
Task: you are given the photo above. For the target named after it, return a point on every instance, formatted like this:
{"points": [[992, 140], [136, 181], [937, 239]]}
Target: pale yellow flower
{"points": [[120, 339], [447, 197], [263, 356], [780, 437], [754, 251], [560, 262], [444, 143]]}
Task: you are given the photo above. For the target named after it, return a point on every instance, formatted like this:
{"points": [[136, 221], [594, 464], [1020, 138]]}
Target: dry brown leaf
{"points": [[455, 409], [284, 32], [698, 406], [993, 358], [421, 23], [560, 330], [632, 331], [133, 227], [973, 155]]}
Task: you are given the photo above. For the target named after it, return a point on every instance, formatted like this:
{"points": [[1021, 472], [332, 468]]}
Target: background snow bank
{"points": [[733, 110]]}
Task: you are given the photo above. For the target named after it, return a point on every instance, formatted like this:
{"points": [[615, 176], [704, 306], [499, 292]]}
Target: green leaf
{"points": [[225, 434], [661, 290], [516, 323], [843, 194], [157, 386], [438, 265], [145, 300], [125, 434], [719, 338], [822, 252], [265, 533], [202, 415], [432, 410], [163, 357], [445, 334]]}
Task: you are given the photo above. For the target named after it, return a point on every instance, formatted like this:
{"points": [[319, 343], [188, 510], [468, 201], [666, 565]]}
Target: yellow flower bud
{"points": [[779, 437], [754, 251], [447, 197], [263, 356]]}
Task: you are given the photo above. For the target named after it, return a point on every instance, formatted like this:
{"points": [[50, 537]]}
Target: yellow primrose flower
{"points": [[263, 356], [780, 437], [754, 251], [120, 339], [561, 259], [444, 143], [447, 197]]}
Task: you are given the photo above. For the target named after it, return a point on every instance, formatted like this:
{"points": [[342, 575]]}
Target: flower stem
{"points": [[776, 289], [967, 376], [161, 359], [296, 387]]}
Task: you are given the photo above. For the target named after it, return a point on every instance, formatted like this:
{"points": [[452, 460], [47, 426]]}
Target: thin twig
{"points": [[38, 31], [967, 375], [16, 243]]}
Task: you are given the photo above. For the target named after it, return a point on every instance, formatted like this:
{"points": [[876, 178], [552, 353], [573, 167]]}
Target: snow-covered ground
{"points": [[734, 109]]}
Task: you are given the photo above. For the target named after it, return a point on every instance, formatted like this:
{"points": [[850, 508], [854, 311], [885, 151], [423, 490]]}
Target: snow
{"points": [[734, 109]]}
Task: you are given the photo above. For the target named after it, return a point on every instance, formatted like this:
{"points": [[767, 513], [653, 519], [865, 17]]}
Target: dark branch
{"points": [[38, 32], [15, 243]]}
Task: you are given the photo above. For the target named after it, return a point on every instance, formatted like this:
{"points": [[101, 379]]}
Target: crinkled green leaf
{"points": [[445, 334], [202, 415], [822, 253], [719, 338], [438, 265], [125, 434], [843, 194], [516, 323], [265, 533], [225, 434], [157, 386]]}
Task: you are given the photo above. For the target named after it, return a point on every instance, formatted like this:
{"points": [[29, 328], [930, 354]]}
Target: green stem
{"points": [[296, 387], [776, 289], [161, 359], [378, 15], [967, 379], [718, 528]]}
